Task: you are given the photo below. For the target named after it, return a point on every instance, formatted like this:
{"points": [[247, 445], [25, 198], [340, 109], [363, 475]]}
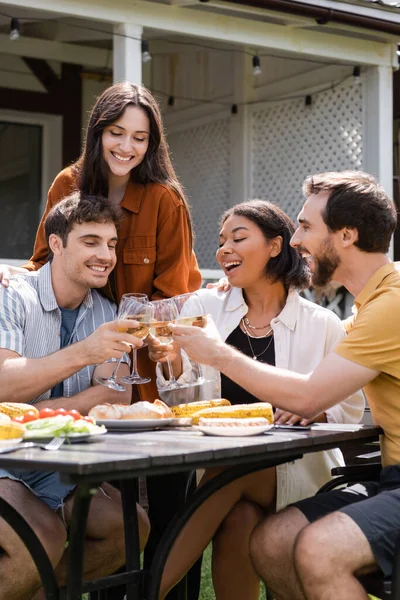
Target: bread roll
{"points": [[139, 410], [106, 412]]}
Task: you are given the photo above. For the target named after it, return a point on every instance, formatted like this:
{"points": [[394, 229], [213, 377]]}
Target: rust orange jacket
{"points": [[153, 251]]}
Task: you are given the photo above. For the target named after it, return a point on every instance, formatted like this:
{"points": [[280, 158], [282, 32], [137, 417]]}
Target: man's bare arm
{"points": [[96, 394], [335, 379], [24, 378]]}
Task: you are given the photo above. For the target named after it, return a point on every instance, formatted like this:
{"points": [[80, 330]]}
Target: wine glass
{"points": [[165, 311], [191, 313], [142, 311], [129, 308]]}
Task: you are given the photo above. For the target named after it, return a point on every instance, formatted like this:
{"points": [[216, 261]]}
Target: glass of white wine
{"points": [[191, 313], [141, 310], [135, 307], [165, 312]]}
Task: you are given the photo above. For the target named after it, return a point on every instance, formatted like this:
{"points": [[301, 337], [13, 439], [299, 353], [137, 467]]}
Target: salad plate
{"points": [[133, 424], [62, 426], [70, 438]]}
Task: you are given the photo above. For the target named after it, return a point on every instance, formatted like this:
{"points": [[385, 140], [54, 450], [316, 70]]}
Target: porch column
{"points": [[378, 124], [127, 53], [240, 135]]}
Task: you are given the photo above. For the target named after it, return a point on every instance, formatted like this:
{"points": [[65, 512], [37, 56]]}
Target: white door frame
{"points": [[51, 152]]}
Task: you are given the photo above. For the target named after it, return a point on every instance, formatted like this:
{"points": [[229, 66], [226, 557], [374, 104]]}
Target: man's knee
{"points": [[273, 539]]}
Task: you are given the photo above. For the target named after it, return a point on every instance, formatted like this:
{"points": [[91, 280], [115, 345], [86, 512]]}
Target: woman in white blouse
{"points": [[263, 316]]}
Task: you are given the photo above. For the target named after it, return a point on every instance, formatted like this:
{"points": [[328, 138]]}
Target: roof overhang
{"points": [[325, 12]]}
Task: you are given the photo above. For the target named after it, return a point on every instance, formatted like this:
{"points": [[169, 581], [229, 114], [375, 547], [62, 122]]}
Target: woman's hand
{"points": [[283, 417], [6, 271], [222, 285], [159, 352]]}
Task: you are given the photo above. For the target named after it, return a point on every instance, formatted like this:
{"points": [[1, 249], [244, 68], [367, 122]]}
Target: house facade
{"points": [[256, 95]]}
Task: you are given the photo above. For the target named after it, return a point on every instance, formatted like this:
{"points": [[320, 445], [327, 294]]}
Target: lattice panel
{"points": [[291, 140], [201, 156]]}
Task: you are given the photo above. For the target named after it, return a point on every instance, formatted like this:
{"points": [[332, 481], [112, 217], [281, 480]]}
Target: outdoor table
{"points": [[126, 456]]}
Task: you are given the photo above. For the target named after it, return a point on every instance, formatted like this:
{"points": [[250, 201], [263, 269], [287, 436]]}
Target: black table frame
{"points": [[140, 584]]}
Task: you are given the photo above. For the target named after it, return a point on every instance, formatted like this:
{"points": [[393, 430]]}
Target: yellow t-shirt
{"points": [[373, 340]]}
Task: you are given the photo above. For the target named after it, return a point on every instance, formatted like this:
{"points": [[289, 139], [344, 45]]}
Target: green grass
{"points": [[207, 591]]}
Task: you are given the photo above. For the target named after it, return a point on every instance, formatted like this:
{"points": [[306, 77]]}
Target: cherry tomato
{"points": [[19, 419], [60, 411], [88, 419], [74, 413], [46, 412], [30, 416]]}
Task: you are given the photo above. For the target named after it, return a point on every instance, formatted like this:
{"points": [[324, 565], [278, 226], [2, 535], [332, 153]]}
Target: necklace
{"points": [[247, 322], [257, 356], [256, 337]]}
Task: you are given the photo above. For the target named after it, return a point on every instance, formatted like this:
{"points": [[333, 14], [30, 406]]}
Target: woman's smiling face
{"points": [[244, 252], [125, 141]]}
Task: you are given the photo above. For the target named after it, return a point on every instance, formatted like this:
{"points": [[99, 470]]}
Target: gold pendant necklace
{"points": [[257, 356]]}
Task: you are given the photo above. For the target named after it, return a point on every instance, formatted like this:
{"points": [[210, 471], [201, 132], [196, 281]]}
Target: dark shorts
{"points": [[46, 486], [374, 506]]}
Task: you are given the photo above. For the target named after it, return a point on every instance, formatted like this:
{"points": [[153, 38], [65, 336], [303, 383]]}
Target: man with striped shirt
{"points": [[57, 336]]}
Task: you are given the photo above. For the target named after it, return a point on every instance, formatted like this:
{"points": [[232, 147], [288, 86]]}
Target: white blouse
{"points": [[304, 333]]}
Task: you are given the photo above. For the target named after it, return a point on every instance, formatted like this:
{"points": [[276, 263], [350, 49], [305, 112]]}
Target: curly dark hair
{"points": [[288, 267], [357, 201]]}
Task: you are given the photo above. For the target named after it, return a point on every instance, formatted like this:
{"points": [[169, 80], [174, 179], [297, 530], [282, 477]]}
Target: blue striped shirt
{"points": [[30, 322]]}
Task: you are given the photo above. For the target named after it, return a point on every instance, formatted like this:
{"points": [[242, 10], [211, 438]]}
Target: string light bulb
{"points": [[308, 100], [256, 65], [234, 109], [171, 101], [356, 75], [14, 29], [146, 56]]}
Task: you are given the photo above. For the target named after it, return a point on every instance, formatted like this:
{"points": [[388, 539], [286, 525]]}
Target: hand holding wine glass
{"points": [[129, 310]]}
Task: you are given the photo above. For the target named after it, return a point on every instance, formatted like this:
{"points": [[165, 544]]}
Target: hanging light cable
{"points": [[146, 56], [256, 65], [14, 29]]}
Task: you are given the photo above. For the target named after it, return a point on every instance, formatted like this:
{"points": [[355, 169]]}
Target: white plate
{"points": [[11, 442], [233, 431], [181, 422], [132, 424], [71, 438]]}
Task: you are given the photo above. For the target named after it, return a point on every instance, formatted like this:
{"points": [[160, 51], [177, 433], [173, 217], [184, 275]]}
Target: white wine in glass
{"points": [[165, 312]]}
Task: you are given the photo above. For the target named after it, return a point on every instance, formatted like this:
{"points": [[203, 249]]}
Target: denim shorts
{"points": [[46, 486]]}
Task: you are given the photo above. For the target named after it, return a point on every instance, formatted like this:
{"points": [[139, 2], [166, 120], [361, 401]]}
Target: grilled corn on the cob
{"points": [[9, 431], [187, 410], [15, 409], [241, 411]]}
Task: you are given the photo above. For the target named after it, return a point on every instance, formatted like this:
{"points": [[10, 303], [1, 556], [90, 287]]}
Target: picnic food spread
{"points": [[138, 410]]}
